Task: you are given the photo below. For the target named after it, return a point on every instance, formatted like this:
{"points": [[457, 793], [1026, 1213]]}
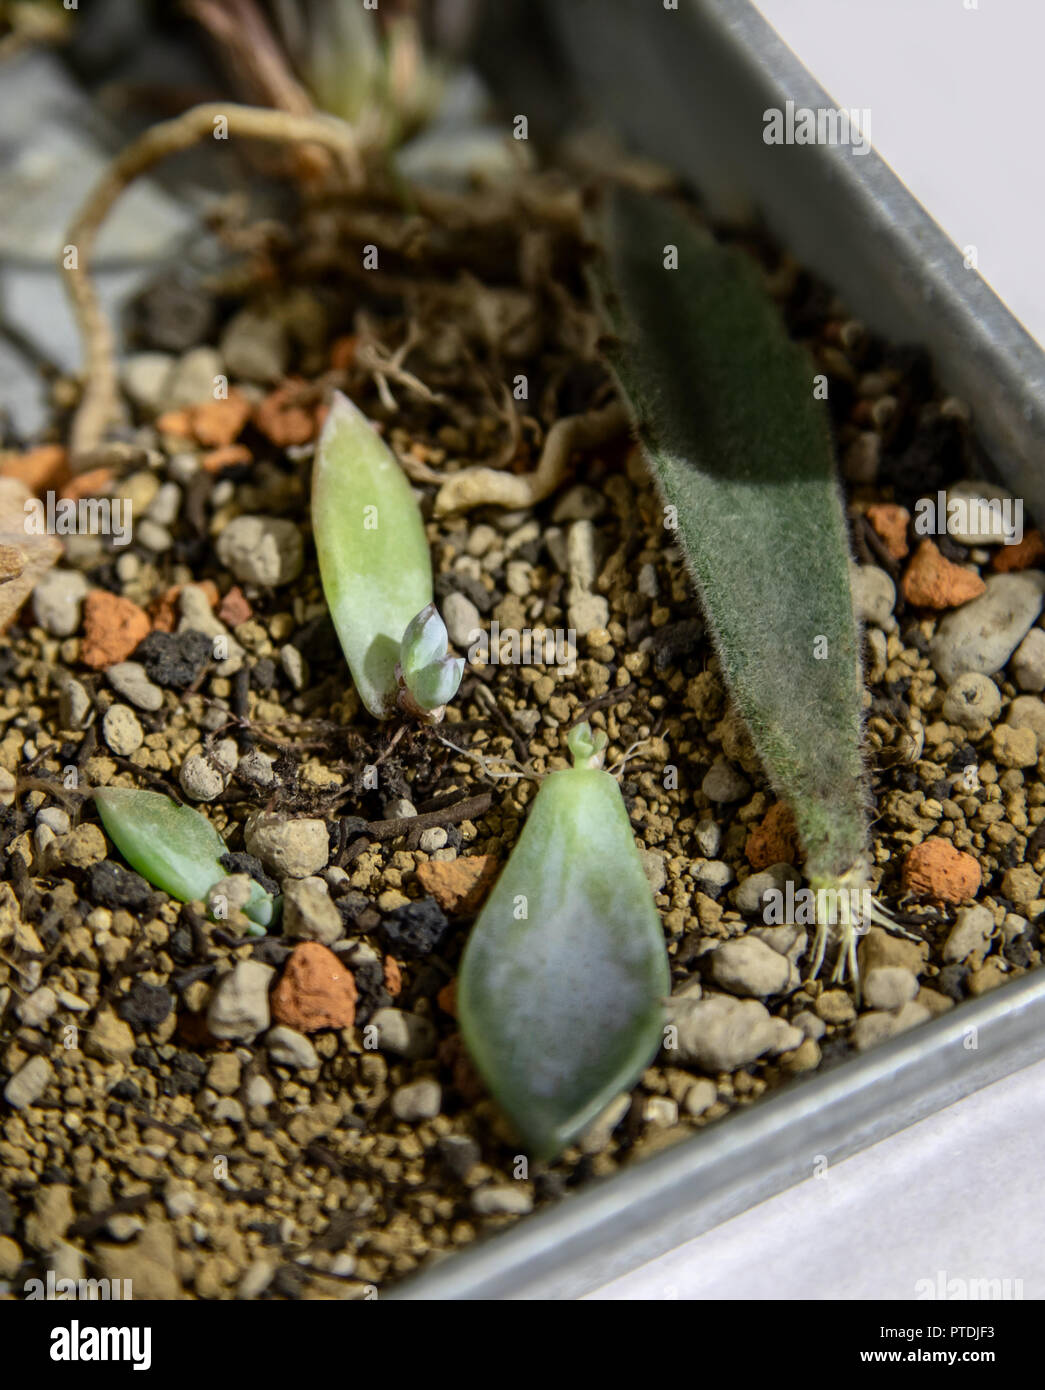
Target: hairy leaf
{"points": [[741, 449]]}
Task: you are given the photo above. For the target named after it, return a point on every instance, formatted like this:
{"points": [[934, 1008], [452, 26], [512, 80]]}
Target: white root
{"points": [[478, 487]]}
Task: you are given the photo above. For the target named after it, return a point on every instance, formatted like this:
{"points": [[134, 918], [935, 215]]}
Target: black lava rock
{"points": [[370, 988], [173, 315], [112, 886], [263, 673], [187, 1072], [174, 659], [125, 1090], [459, 1154], [674, 641], [239, 862], [181, 945], [414, 930], [144, 1006], [951, 981]]}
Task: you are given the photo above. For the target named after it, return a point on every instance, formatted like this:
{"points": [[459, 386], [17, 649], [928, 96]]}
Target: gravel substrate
{"points": [[215, 1116]]}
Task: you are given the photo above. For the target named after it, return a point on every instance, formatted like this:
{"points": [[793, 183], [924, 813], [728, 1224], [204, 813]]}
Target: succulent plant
{"points": [[742, 454], [175, 847], [560, 988], [376, 571]]}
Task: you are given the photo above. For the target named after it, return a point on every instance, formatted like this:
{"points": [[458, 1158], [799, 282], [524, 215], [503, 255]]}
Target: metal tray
{"points": [[688, 88]]}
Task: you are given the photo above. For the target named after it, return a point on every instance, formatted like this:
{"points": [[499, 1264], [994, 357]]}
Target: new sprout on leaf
{"points": [[560, 988], [430, 675], [374, 563], [175, 847]]}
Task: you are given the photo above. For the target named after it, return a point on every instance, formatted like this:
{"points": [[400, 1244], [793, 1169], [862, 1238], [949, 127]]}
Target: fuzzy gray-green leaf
{"points": [[175, 847], [738, 444], [560, 988]]}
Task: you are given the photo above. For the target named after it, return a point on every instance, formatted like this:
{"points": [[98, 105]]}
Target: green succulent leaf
{"points": [[742, 452], [560, 988], [374, 562], [175, 847]]}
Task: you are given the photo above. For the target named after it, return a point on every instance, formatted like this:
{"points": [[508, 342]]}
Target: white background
{"points": [[955, 97]]}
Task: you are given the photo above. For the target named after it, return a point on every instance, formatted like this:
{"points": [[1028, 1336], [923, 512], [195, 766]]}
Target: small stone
{"points": [[200, 779], [254, 346], [36, 1008], [972, 930], [460, 1154], [58, 601], [889, 987], [82, 847], [261, 550], [291, 1048], [748, 966], [598, 1134], [972, 701], [462, 620], [234, 608], [414, 930], [144, 377], [774, 840], [931, 581], [74, 704], [989, 976], [834, 1006], [720, 1033], [315, 991], [1028, 712], [1021, 885], [29, 1083], [936, 871], [309, 914], [1027, 663], [145, 1006], [580, 503], [507, 1199], [150, 1262], [890, 524], [976, 525], [124, 1226], [225, 1074], [874, 596], [700, 1097], [192, 378], [587, 613], [10, 1257], [109, 1038], [811, 1025], [875, 1027], [174, 660], [459, 886], [418, 1100], [982, 635], [113, 628], [403, 1034], [256, 1280], [239, 1009], [1025, 554], [260, 1092], [257, 769], [129, 679], [122, 731], [399, 808], [433, 838], [53, 1213], [723, 783], [708, 837], [1014, 747], [749, 897], [292, 848], [881, 948], [294, 665]]}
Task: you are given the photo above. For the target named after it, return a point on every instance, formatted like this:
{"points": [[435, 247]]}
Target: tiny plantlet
{"points": [[376, 572], [560, 1004], [175, 847]]}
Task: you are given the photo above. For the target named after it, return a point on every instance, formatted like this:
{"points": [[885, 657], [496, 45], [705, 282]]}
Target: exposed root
{"points": [[845, 910], [100, 401], [477, 487]]}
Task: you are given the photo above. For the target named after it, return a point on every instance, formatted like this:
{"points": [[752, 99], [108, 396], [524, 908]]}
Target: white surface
{"points": [[956, 1193], [953, 95]]}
